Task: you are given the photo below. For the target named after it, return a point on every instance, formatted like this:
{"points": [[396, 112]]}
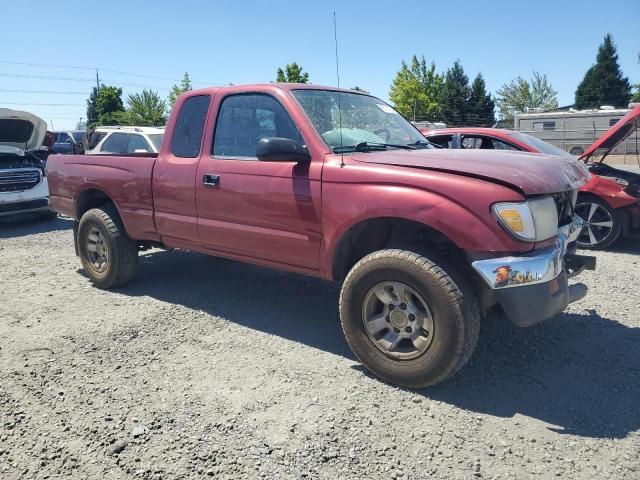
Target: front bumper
{"points": [[34, 200], [533, 287]]}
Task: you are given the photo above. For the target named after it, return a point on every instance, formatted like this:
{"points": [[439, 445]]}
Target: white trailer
{"points": [[574, 130]]}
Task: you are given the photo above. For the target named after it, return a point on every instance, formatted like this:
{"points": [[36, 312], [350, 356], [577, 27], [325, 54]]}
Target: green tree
{"points": [[636, 96], [103, 105], [520, 94], [146, 109], [604, 84], [292, 73], [416, 90], [481, 105], [455, 96], [177, 90]]}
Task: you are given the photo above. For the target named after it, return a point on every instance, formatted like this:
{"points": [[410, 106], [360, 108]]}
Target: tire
{"points": [[577, 151], [108, 255], [452, 306], [602, 223]]}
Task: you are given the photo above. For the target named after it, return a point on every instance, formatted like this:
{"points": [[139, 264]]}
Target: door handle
{"points": [[211, 180]]}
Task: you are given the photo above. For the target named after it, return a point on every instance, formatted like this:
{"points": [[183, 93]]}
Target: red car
{"points": [[609, 203]]}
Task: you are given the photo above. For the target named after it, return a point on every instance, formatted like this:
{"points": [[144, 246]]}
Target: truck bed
{"points": [[76, 179]]}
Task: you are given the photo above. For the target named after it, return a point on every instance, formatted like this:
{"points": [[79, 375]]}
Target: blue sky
{"points": [[245, 41]]}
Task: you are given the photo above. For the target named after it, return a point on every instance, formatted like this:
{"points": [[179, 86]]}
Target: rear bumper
{"points": [[534, 287]]}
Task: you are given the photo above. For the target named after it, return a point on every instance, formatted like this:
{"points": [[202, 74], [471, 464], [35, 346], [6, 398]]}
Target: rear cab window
{"points": [[115, 143], [186, 141]]}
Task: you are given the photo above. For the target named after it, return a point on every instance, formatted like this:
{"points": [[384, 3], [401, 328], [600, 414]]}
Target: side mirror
{"points": [[277, 149]]}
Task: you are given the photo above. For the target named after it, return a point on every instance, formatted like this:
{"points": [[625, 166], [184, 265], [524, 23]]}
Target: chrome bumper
{"points": [[540, 266]]}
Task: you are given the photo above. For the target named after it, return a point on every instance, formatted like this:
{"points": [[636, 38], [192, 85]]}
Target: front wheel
{"points": [[108, 255], [406, 319], [601, 224]]}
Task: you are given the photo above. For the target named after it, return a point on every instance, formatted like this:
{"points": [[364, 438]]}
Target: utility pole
{"points": [[97, 82]]}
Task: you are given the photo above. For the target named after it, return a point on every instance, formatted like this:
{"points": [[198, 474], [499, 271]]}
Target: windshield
{"points": [[541, 145], [156, 139], [361, 119]]}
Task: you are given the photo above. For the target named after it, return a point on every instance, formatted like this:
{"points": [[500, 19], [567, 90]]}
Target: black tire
{"points": [[454, 308], [577, 151], [121, 252], [604, 237]]}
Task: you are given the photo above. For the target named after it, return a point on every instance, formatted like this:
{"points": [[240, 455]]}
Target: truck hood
{"points": [[20, 131], [612, 137], [529, 173]]}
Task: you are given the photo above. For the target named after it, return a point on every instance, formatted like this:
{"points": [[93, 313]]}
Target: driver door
{"points": [[263, 210]]}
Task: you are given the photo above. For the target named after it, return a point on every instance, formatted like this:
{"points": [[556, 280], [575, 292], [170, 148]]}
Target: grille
{"points": [[564, 204], [19, 179]]}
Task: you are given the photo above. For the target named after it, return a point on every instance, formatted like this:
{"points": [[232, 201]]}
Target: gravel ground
{"points": [[207, 368]]}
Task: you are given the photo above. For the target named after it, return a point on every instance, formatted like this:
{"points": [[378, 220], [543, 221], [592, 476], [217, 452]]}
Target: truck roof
{"points": [[268, 86]]}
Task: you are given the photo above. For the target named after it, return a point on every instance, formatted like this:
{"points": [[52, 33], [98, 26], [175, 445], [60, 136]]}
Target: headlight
{"points": [[532, 221]]}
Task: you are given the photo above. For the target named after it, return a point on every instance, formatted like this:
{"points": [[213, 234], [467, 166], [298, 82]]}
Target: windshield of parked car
{"points": [[351, 122], [541, 145], [156, 139]]}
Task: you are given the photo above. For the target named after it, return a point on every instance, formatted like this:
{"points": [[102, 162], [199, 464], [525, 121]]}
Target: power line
{"points": [[44, 104], [52, 92], [119, 72]]}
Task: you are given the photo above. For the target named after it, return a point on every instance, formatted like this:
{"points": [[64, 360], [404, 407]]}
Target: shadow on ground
{"points": [[578, 372], [27, 224]]}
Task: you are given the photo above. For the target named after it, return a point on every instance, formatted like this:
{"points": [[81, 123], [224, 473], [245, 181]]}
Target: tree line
{"points": [[417, 91]]}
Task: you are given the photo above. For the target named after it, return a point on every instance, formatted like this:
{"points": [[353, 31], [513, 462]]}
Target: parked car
{"points": [[68, 142], [609, 203], [23, 183], [124, 140], [337, 184]]}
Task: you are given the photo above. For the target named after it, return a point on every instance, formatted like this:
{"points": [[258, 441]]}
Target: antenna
{"points": [[335, 38]]}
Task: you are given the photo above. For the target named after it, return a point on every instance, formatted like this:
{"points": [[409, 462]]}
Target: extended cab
{"points": [[337, 184]]}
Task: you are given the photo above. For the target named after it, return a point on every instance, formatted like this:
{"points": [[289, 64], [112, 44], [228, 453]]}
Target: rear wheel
{"points": [[602, 226], [108, 255], [406, 319]]}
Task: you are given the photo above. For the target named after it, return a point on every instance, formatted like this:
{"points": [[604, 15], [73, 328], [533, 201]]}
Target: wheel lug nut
{"points": [[396, 330], [412, 317], [408, 329], [387, 318], [391, 306], [403, 306]]}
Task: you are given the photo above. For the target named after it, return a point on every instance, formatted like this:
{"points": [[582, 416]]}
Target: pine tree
{"points": [[177, 90], [604, 84], [455, 96], [481, 105]]}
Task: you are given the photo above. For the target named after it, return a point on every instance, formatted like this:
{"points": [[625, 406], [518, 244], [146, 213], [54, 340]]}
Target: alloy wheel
{"points": [[598, 225], [97, 250], [397, 320]]}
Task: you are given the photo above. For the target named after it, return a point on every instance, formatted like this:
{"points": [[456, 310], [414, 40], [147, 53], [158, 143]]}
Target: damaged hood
{"points": [[612, 137], [20, 131], [530, 173]]}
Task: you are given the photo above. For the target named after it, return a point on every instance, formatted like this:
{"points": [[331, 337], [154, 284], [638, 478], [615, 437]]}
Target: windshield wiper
{"points": [[371, 146]]}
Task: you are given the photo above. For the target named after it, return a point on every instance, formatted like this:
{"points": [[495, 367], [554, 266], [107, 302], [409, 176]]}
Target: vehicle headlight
{"points": [[532, 221]]}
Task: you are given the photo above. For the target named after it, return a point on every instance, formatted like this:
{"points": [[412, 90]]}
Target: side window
{"points": [[244, 119], [115, 143], [442, 140], [543, 126], [500, 145], [137, 142], [483, 143], [63, 138], [187, 133], [95, 138]]}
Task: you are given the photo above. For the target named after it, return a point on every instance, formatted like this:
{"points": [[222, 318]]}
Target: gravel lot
{"points": [[206, 368]]}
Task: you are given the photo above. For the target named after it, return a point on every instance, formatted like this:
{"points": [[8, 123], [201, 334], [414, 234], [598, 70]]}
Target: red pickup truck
{"points": [[337, 184]]}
